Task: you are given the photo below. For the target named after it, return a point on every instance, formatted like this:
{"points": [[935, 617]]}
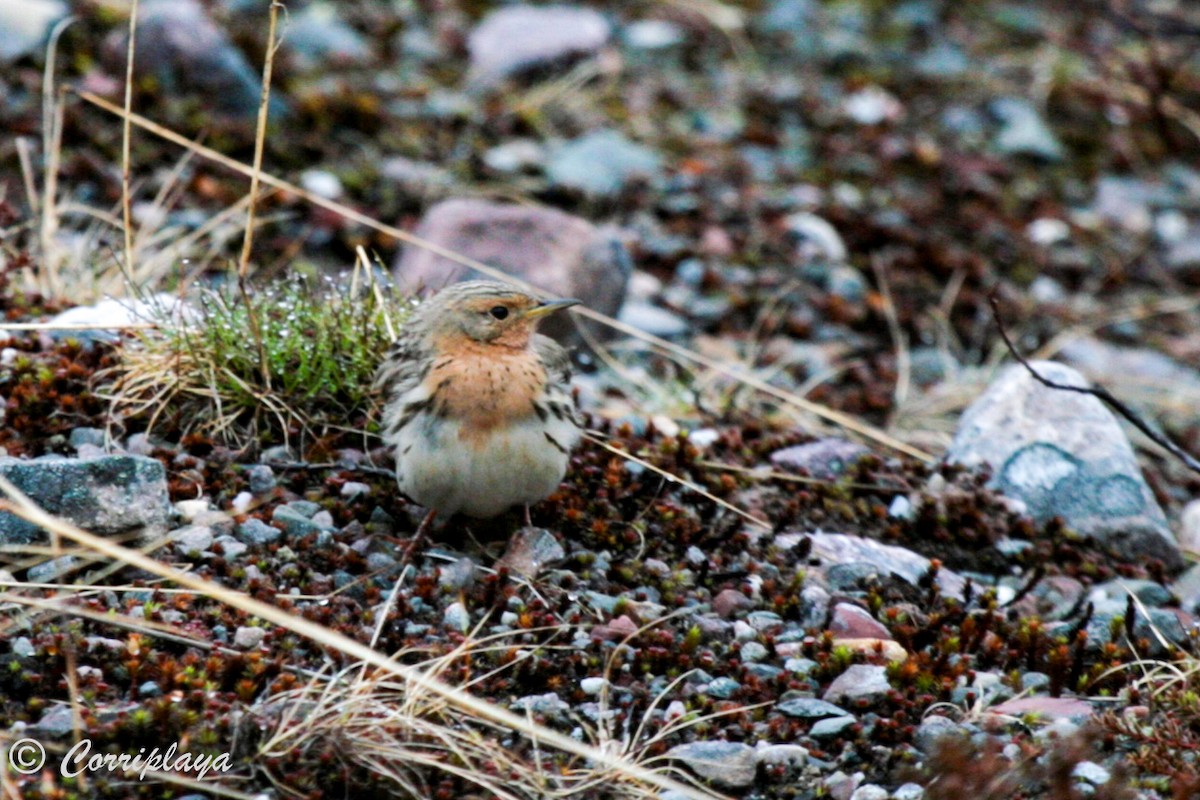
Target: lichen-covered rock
{"points": [[1064, 454], [106, 495]]}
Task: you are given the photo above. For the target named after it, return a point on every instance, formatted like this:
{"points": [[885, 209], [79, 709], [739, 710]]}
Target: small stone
{"points": [[753, 651], [518, 155], [231, 548], [781, 755], [909, 791], [188, 510], [592, 686], [248, 637], [840, 786], [241, 502], [49, 571], [149, 690], [456, 617], [1047, 708], [872, 105], [517, 38], [261, 478], [530, 551], [318, 37], [22, 647], [653, 320], [25, 26], [457, 575], [601, 163], [295, 524], [548, 705], [830, 727], [352, 489], [851, 622], [901, 508], [933, 728], [82, 436], [193, 539], [730, 601], [1091, 772], [180, 46], [859, 683], [56, 722], [825, 458], [722, 688], [870, 792], [729, 764], [815, 239], [809, 708], [800, 667], [255, 531], [1023, 131]]}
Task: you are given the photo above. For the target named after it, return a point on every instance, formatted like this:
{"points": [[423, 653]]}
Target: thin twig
{"points": [[260, 138], [1099, 392]]}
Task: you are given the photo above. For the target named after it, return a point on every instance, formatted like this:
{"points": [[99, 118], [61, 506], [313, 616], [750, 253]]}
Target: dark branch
{"points": [[1099, 392]]}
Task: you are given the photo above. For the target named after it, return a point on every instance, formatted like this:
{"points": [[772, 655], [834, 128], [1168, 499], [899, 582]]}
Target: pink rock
{"points": [[514, 39], [620, 628], [1046, 707], [851, 622], [729, 601]]}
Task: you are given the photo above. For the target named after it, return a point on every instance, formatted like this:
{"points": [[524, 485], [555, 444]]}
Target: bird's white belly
{"points": [[509, 465]]}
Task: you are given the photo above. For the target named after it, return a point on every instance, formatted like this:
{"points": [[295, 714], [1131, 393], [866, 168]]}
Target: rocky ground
{"points": [[822, 194]]}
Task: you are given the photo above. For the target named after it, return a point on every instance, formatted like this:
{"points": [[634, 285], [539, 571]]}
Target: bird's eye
{"points": [[499, 312]]}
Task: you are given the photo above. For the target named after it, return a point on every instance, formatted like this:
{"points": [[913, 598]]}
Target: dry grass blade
{"points": [[662, 345], [414, 679]]}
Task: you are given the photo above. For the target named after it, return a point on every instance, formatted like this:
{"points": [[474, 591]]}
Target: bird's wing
{"points": [[401, 367], [555, 358]]}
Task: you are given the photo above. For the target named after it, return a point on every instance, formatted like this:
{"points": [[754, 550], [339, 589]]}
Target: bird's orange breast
{"points": [[483, 388]]}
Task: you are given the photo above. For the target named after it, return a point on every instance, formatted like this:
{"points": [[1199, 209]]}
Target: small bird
{"points": [[478, 404]]}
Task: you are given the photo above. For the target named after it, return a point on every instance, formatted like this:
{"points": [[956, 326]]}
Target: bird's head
{"points": [[490, 313]]}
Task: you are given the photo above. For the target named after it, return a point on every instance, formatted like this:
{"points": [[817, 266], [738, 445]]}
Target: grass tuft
{"points": [[203, 371]]}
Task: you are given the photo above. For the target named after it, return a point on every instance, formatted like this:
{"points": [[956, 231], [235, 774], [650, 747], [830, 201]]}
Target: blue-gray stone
{"points": [[317, 37], [809, 708], [106, 495], [294, 522], [82, 436], [1023, 131], [255, 531], [261, 479], [831, 727], [601, 162], [722, 688]]}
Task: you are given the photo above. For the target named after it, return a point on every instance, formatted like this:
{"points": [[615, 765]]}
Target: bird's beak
{"points": [[549, 307]]}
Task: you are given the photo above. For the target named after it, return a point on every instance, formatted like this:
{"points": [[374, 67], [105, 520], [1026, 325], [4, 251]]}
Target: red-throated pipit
{"points": [[478, 403]]}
